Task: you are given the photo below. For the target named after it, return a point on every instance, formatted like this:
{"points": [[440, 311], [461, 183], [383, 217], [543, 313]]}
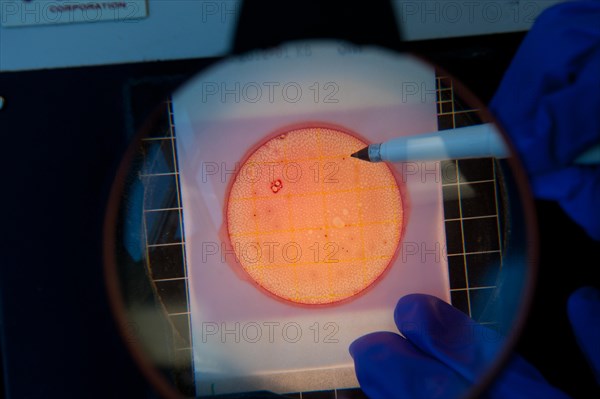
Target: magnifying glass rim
{"points": [[166, 389], [526, 198]]}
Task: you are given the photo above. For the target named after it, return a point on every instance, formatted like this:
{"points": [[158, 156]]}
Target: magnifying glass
{"points": [[246, 248]]}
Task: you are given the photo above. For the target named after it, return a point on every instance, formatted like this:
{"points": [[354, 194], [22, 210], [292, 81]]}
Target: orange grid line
{"points": [[317, 193], [359, 225], [323, 198], [292, 232], [313, 159], [263, 266]]}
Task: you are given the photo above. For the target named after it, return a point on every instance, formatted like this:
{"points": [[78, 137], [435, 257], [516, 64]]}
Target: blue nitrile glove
{"points": [[584, 313], [444, 353], [549, 104]]}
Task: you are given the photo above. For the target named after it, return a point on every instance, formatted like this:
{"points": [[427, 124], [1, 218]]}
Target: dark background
{"points": [[63, 133]]}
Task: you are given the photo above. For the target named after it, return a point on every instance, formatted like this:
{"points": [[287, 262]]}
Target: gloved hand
{"points": [[549, 104], [583, 309], [444, 353]]}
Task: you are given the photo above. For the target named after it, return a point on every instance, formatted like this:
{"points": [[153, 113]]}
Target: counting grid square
{"points": [[164, 241], [476, 229], [469, 281]]}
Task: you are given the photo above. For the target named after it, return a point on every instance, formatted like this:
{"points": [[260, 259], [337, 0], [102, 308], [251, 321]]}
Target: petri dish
{"points": [[338, 221]]}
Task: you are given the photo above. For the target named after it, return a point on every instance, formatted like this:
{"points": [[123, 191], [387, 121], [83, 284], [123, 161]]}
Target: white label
{"points": [[49, 12]]}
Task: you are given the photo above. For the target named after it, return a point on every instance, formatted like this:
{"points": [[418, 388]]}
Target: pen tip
{"points": [[362, 154]]}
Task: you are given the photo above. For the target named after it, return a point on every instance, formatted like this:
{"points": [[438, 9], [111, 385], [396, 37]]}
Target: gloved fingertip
{"points": [[366, 342], [583, 308], [411, 306], [354, 348], [581, 302], [582, 305], [418, 310], [585, 294], [417, 297]]}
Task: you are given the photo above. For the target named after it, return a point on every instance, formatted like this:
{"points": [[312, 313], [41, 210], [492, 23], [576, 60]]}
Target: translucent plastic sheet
{"points": [[244, 339]]}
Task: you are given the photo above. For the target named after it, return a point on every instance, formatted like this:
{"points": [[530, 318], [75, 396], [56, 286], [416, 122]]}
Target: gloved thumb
{"points": [[466, 347], [583, 308], [447, 334], [390, 367]]}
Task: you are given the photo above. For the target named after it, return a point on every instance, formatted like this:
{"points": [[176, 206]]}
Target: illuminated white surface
{"points": [[174, 29], [180, 29], [211, 129]]}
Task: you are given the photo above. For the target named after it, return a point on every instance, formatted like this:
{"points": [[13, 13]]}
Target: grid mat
{"points": [[473, 226]]}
